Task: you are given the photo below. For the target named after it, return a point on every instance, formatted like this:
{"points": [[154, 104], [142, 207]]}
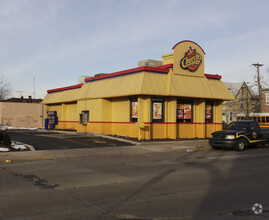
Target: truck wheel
{"points": [[240, 145]]}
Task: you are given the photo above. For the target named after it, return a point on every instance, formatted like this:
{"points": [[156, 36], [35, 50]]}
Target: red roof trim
{"points": [[211, 76], [167, 66], [65, 88], [188, 41], [129, 71]]}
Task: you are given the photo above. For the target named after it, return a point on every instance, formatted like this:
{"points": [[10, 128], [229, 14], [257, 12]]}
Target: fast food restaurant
{"points": [[173, 100]]}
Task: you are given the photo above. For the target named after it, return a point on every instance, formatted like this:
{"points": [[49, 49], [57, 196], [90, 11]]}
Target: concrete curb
{"points": [[29, 146], [117, 139]]}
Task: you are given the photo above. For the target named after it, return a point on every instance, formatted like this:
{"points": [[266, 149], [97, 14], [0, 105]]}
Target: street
{"points": [[135, 182]]}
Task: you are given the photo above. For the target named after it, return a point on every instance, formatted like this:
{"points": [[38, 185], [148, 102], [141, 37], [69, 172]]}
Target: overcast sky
{"points": [[56, 41]]}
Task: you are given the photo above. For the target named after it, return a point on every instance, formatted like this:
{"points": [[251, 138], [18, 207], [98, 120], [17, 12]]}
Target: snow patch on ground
{"points": [[18, 146], [14, 128], [13, 146]]}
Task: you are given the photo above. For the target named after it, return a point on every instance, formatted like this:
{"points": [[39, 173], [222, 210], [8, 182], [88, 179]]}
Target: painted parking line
{"points": [[99, 142]]}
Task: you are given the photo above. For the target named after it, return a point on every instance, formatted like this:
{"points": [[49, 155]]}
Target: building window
{"points": [[266, 98], [209, 112], [231, 116], [134, 110], [241, 102], [157, 110], [184, 111], [84, 117]]}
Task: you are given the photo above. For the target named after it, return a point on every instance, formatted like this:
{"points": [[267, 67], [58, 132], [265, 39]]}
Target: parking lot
{"points": [[50, 140]]}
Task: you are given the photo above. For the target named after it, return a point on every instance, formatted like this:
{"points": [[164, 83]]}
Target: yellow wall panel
{"points": [[120, 129], [71, 113], [200, 130], [133, 131], [172, 131], [158, 131], [199, 111], [210, 128], [218, 112], [186, 130], [120, 110]]}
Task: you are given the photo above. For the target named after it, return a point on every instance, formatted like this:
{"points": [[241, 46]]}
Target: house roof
{"points": [[233, 87]]}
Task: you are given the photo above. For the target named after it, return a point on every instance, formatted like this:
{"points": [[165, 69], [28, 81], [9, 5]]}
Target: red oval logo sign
{"points": [[191, 60]]}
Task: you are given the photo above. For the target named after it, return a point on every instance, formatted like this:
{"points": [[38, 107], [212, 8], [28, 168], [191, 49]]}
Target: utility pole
{"points": [[258, 65]]}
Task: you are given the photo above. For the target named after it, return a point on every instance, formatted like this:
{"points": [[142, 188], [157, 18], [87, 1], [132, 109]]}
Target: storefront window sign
{"points": [[184, 111], [157, 110], [134, 109], [208, 112]]}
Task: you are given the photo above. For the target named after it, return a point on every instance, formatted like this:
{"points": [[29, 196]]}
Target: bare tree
{"points": [[4, 88], [247, 102]]}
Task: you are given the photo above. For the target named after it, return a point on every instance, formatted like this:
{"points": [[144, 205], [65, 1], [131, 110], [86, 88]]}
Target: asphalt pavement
{"points": [[174, 181], [53, 140]]}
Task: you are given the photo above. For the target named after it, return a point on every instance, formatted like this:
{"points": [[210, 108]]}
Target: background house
{"points": [[247, 101], [265, 100]]}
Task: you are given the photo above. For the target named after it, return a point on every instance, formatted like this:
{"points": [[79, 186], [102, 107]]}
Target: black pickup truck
{"points": [[239, 134]]}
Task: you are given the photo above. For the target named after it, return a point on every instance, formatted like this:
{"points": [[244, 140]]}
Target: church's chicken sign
{"points": [[191, 60]]}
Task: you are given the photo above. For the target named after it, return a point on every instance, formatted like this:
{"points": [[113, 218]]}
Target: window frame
{"points": [[231, 116], [211, 103], [158, 100], [133, 100], [184, 102], [266, 99], [82, 120]]}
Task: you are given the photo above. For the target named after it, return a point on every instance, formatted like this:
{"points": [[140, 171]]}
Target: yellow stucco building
{"points": [[174, 100]]}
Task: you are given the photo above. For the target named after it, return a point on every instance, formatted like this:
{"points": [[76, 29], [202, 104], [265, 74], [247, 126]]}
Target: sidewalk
{"points": [[149, 147]]}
